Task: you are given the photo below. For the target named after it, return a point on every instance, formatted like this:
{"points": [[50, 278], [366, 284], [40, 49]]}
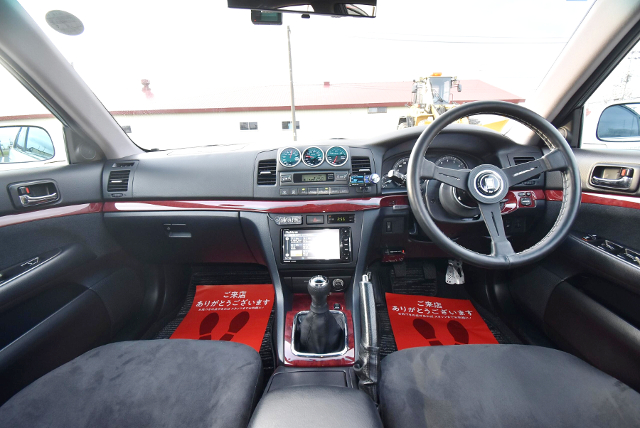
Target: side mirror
{"points": [[25, 144], [619, 123]]}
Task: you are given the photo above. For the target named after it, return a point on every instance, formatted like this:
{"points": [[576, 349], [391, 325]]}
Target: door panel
{"points": [[66, 285], [584, 295]]}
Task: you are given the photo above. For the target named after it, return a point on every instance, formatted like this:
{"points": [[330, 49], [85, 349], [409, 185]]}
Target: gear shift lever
{"points": [[320, 333], [319, 290]]}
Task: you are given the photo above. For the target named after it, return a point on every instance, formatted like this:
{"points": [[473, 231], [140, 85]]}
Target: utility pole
{"points": [[293, 104]]}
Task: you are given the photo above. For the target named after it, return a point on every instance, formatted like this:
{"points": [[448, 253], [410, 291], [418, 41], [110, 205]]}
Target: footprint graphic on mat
{"points": [[207, 325], [236, 325], [459, 333], [427, 331]]}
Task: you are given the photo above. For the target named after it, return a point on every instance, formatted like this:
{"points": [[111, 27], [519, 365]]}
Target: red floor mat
{"points": [[235, 313], [431, 321]]}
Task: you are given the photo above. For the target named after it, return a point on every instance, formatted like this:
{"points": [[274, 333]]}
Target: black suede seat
{"points": [[154, 383], [501, 386]]}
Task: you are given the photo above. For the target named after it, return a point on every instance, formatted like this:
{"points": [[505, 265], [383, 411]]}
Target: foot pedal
{"points": [[400, 270], [429, 271], [455, 274]]}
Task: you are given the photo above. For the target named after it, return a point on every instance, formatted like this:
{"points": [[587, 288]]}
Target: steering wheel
{"points": [[488, 185]]}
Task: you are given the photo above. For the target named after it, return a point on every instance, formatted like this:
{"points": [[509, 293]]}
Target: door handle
{"points": [[34, 193], [612, 177], [615, 183], [30, 201]]}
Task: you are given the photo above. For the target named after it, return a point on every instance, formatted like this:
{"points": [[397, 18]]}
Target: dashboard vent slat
{"points": [[123, 165], [118, 181], [361, 164], [267, 172]]}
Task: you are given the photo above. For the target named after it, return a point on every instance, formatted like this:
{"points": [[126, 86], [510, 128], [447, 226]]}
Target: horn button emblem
{"points": [[489, 183]]}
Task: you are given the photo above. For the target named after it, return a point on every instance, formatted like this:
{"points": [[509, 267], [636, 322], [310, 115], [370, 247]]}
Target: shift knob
{"points": [[319, 289]]}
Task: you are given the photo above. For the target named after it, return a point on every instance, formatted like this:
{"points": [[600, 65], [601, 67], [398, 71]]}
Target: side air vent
{"points": [[519, 160], [360, 164], [267, 172], [118, 181]]}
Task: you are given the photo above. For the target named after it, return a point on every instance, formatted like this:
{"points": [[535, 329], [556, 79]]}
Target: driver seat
{"points": [[500, 386]]}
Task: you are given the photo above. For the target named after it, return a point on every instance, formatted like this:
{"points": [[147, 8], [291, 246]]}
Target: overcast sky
{"points": [[188, 46]]}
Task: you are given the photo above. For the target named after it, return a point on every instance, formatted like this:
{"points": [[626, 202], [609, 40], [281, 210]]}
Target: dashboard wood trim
{"points": [[623, 201], [275, 207], [24, 217]]}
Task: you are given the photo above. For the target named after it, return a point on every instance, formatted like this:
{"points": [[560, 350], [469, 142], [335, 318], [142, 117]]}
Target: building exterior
{"points": [[156, 119]]}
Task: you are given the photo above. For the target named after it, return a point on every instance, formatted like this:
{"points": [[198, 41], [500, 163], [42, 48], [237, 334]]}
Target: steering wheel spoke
{"points": [[553, 161], [457, 178], [491, 214]]}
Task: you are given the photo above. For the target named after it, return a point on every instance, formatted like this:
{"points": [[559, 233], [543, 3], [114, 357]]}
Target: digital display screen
{"points": [[311, 244], [340, 218], [314, 177]]}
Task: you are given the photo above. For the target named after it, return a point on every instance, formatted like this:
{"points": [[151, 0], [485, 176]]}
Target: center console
{"points": [[324, 247]]}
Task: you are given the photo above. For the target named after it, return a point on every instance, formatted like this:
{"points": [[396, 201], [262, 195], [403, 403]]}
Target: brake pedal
{"points": [[455, 274]]}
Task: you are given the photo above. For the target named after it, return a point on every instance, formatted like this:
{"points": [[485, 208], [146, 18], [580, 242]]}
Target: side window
{"points": [[30, 136], [612, 113]]}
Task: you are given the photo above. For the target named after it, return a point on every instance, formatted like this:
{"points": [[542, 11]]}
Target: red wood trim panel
{"points": [[9, 220], [293, 207], [599, 199], [302, 302], [276, 207]]}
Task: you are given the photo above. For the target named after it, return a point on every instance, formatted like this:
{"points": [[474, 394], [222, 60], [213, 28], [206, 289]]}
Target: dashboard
{"points": [[334, 169], [337, 193]]}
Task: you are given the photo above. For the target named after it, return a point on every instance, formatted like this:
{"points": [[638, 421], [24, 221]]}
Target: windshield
{"points": [[196, 73]]}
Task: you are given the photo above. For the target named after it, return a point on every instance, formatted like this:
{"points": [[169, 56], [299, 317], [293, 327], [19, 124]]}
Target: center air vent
{"points": [[267, 172], [118, 181], [360, 164]]}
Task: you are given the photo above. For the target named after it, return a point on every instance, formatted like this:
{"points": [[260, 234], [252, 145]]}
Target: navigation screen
{"points": [[311, 244]]}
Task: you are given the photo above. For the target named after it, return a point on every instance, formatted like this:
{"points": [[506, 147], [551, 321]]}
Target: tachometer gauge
{"points": [[451, 162], [337, 156], [289, 157], [313, 157]]}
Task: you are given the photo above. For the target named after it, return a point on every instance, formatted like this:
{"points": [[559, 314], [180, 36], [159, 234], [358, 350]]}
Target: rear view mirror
{"points": [[25, 144], [364, 8], [619, 122], [259, 17]]}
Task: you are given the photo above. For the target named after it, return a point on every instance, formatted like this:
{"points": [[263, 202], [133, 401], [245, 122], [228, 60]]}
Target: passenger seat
{"points": [[155, 383]]}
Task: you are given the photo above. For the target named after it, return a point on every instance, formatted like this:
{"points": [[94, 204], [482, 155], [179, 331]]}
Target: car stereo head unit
{"points": [[330, 245]]}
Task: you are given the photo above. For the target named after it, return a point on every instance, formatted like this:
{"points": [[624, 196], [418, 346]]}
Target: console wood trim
{"points": [[302, 302]]}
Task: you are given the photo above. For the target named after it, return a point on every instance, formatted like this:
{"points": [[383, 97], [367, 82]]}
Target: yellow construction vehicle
{"points": [[430, 97]]}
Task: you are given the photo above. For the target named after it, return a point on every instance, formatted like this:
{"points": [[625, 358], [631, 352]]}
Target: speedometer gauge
{"points": [[313, 157], [289, 157], [337, 156]]}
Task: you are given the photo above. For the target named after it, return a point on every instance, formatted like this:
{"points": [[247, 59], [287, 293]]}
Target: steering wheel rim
{"points": [[488, 184]]}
